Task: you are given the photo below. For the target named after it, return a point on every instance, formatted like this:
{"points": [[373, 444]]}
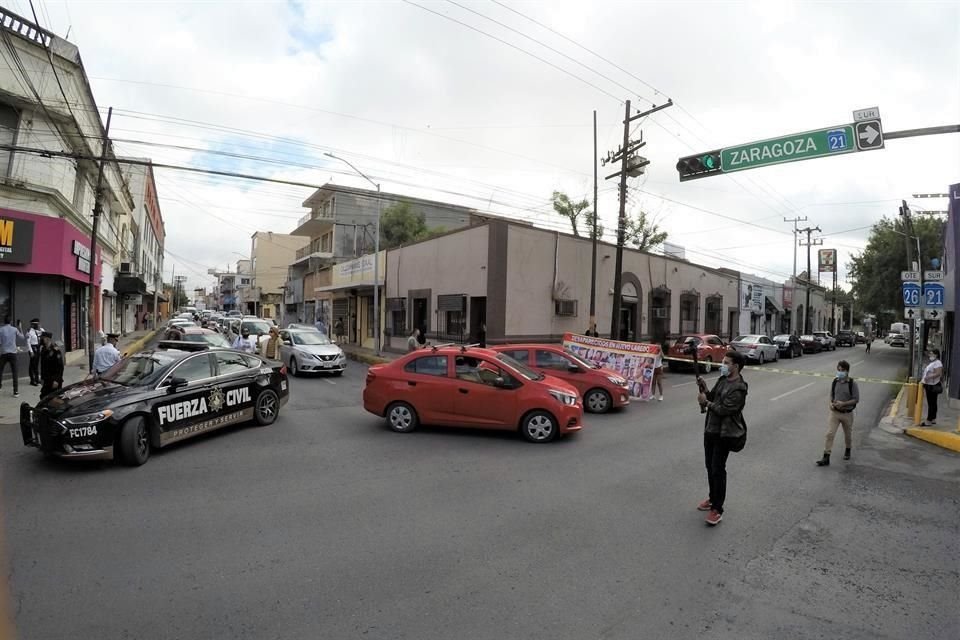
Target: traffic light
{"points": [[700, 165]]}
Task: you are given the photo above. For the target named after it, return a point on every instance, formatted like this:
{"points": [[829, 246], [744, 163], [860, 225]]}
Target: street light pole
{"points": [[376, 254]]}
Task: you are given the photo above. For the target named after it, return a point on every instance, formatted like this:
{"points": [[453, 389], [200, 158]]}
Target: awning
{"points": [[346, 287], [773, 303]]}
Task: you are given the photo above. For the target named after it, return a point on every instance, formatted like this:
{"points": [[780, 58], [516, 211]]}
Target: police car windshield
{"points": [[522, 369], [138, 370], [309, 338]]}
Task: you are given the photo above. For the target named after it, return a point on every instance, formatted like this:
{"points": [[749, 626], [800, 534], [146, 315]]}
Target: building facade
{"points": [[46, 203], [271, 255], [139, 269], [524, 283]]}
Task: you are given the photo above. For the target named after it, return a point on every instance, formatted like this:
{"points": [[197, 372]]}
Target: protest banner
{"points": [[634, 361]]}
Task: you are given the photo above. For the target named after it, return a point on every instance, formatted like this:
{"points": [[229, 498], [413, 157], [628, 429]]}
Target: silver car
{"points": [[756, 347], [309, 351]]}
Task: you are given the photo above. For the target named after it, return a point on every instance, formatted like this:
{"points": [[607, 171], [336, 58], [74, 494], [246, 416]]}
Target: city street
{"points": [[326, 525]]}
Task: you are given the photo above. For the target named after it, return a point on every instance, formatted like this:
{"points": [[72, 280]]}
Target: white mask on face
{"points": [[932, 358]]}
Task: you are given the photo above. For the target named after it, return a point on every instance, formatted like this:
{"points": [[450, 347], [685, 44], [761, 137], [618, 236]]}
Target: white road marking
{"points": [[783, 395], [853, 364], [329, 381], [684, 384]]}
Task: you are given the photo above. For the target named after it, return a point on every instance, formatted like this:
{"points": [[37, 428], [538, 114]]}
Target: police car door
{"points": [[184, 410], [236, 377]]}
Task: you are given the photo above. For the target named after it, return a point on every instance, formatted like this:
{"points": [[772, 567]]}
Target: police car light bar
{"points": [[183, 345]]}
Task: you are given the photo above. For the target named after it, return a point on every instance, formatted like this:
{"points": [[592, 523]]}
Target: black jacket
{"points": [[51, 364], [725, 408]]}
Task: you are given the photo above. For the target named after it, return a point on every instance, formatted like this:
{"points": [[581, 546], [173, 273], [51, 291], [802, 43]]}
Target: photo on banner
{"points": [[635, 361]]}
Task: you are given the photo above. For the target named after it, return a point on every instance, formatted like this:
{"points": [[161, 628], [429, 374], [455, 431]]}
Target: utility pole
{"points": [[630, 165], [97, 210], [793, 325], [907, 235], [810, 243], [593, 263]]}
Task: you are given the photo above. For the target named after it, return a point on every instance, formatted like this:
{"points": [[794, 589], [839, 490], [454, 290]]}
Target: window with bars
{"points": [[397, 316]]}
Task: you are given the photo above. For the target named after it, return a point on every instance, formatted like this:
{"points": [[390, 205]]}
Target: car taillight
{"points": [[283, 369]]}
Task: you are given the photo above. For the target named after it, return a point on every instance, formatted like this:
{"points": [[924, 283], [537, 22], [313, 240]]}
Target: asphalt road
{"points": [[326, 525]]}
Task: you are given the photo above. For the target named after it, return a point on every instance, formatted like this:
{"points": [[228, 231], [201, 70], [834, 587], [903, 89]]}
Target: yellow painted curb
{"points": [[895, 409], [943, 439], [141, 343]]}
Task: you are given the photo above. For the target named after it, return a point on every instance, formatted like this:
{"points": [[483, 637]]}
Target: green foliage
{"points": [[643, 233], [572, 211], [401, 225], [875, 272]]}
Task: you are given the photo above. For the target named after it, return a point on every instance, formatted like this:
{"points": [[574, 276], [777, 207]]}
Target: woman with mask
{"points": [[932, 385]]}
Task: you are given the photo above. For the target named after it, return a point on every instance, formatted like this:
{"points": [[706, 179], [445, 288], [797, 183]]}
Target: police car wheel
{"points": [[268, 406], [134, 442]]}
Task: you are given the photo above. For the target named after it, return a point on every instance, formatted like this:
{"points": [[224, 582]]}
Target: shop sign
{"points": [[83, 256], [16, 240]]}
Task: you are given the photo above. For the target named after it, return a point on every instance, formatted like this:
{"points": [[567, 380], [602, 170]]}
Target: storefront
{"points": [[45, 268], [350, 298]]}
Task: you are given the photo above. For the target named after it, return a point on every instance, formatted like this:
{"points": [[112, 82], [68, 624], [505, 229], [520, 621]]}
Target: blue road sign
{"points": [[837, 139], [932, 295], [911, 294]]}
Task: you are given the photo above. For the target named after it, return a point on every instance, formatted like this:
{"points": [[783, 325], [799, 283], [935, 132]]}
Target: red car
{"points": [[600, 389], [471, 387], [710, 349]]}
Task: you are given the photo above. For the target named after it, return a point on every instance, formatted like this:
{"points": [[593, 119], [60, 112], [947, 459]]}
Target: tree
{"points": [[400, 224], [590, 216], [572, 211], [642, 233], [875, 272]]}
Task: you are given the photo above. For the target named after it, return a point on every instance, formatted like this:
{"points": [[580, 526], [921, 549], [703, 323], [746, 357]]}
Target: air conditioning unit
{"points": [[565, 307], [660, 312], [126, 268]]}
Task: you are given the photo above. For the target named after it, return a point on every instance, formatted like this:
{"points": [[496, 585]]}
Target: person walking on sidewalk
{"points": [[107, 355], [8, 352], [33, 344], [724, 427], [932, 386], [51, 364], [412, 342], [844, 396]]}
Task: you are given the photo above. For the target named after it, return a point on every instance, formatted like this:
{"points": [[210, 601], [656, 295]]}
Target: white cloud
{"points": [[413, 82]]}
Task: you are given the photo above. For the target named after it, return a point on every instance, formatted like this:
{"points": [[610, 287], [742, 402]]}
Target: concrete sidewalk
{"points": [[901, 420], [368, 356], [72, 373]]}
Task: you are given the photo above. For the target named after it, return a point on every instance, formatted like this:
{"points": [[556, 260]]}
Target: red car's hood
{"points": [[557, 383]]}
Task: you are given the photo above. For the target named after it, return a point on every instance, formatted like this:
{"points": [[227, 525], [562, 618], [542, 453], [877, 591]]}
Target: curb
{"points": [[944, 439], [139, 344], [365, 359]]}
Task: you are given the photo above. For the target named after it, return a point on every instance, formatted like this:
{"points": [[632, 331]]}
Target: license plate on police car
{"points": [[283, 385]]}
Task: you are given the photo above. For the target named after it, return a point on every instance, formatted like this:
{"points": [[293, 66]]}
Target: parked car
{"points": [[471, 387], [826, 339], [811, 344], [302, 327], [710, 351], [600, 389], [234, 314], [846, 339], [897, 340], [891, 336], [756, 347], [861, 337], [788, 345], [309, 351], [155, 398], [204, 336]]}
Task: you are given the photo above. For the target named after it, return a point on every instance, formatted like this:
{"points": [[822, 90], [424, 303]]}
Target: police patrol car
{"points": [[155, 398]]}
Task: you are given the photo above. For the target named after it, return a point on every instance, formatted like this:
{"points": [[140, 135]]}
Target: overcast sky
{"points": [[429, 106]]}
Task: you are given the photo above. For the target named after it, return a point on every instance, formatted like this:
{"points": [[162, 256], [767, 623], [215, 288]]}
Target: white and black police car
{"points": [[155, 398]]}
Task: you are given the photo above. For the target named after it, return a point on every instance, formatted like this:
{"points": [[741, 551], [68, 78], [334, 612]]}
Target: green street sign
{"points": [[799, 146]]}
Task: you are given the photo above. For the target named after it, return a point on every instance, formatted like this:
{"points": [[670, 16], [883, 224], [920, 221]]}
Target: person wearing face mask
{"points": [[844, 396], [932, 386], [723, 428]]}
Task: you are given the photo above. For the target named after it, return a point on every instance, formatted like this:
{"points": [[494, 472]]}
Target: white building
{"points": [[140, 266]]}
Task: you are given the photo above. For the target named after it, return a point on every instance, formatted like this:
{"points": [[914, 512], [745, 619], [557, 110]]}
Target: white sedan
{"points": [[309, 351], [755, 347]]}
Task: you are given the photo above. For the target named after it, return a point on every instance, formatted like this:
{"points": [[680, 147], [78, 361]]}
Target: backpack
{"points": [[833, 387]]}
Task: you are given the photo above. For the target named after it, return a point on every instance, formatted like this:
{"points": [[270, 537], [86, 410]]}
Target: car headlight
{"points": [[563, 397], [620, 382], [90, 418]]}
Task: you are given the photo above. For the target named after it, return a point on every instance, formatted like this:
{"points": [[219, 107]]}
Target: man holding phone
{"points": [[723, 426]]}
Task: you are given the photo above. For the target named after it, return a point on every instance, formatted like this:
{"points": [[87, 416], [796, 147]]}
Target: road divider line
{"points": [[796, 372], [784, 395], [684, 384], [330, 382]]}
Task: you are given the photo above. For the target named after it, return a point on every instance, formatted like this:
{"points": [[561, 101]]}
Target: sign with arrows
{"points": [[933, 314], [911, 314], [869, 135]]}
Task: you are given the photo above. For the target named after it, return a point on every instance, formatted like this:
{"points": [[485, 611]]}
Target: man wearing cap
{"points": [[107, 355], [33, 344], [51, 364]]}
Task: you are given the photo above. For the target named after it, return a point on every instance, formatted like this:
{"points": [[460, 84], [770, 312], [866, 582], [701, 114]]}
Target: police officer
{"points": [[51, 364], [107, 355], [33, 344]]}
